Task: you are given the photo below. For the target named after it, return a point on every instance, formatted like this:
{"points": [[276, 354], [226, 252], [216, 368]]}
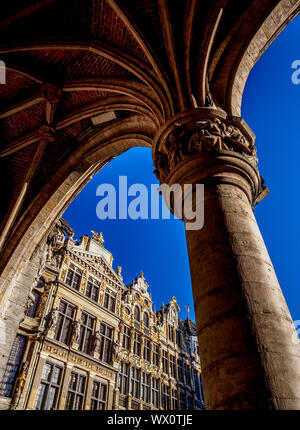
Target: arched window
{"points": [[137, 314], [146, 323], [137, 317], [146, 320]]}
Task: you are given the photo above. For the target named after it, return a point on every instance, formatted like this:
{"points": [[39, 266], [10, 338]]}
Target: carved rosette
{"points": [[213, 135]]}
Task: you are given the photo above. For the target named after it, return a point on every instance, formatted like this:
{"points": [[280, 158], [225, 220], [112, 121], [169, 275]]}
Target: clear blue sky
{"points": [[271, 106]]}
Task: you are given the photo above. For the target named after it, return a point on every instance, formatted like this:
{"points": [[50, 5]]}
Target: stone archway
{"points": [[185, 107]]}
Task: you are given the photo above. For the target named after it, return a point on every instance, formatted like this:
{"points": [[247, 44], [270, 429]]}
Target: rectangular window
{"points": [[171, 334], [92, 289], [137, 344], [147, 350], [155, 354], [86, 332], [145, 388], [30, 312], [174, 400], [180, 371], [76, 392], [189, 403], [155, 393], [135, 383], [106, 334], [126, 338], [165, 397], [173, 366], [165, 361], [98, 400], [182, 400], [188, 380], [48, 390], [65, 320], [73, 278], [12, 366], [110, 300], [123, 378]]}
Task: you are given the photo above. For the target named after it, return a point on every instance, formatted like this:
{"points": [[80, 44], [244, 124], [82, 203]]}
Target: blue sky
{"points": [[271, 106]]}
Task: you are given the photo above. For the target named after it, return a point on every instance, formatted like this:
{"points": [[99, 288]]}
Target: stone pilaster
{"points": [[245, 330], [36, 382], [64, 387]]}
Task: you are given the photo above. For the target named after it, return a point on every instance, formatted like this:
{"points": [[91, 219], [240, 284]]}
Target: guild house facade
{"points": [[88, 341]]}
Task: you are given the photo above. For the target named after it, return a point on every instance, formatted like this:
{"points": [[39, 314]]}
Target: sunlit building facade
{"points": [[88, 341]]}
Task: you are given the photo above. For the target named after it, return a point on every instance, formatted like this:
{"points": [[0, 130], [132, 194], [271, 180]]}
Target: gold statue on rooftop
{"points": [[98, 236]]}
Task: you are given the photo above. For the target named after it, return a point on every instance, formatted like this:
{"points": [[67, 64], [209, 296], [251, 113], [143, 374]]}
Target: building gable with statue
{"points": [[88, 341]]}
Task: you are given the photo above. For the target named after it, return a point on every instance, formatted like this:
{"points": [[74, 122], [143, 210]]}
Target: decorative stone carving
{"points": [[96, 342], [115, 350], [76, 331], [51, 93], [47, 133], [211, 135], [52, 320]]}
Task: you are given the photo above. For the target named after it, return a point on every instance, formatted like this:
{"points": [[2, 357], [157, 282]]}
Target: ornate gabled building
{"points": [[88, 341]]}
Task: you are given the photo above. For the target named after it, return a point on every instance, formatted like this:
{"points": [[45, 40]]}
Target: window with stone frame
{"points": [[171, 333], [147, 350], [92, 289], [146, 387], [165, 361], [146, 323], [76, 392], [173, 366], [47, 395], [188, 379], [110, 300], [182, 400], [31, 310], [135, 383], [73, 278], [180, 371], [123, 378], [86, 332], [126, 338], [137, 344], [63, 329], [155, 392], [106, 336], [190, 405], [165, 397], [137, 317], [155, 354], [13, 363], [174, 400], [99, 396]]}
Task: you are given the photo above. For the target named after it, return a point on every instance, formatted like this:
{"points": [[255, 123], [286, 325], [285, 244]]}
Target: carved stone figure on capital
{"points": [[76, 331], [52, 320], [96, 343], [115, 350]]}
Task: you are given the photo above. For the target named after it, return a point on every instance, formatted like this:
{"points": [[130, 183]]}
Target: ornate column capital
{"points": [[207, 138]]}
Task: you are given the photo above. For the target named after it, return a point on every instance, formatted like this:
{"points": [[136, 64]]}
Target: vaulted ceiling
{"points": [[144, 60]]}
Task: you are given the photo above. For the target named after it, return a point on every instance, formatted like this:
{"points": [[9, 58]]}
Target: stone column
{"points": [[245, 330]]}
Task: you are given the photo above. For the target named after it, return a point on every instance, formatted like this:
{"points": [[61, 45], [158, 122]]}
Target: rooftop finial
{"points": [[188, 307], [98, 236]]}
